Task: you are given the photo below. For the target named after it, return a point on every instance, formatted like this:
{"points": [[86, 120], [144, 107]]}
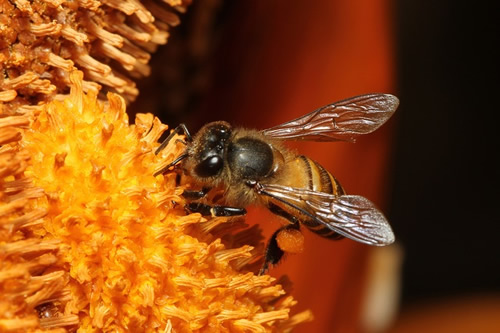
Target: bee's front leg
{"points": [[177, 130], [195, 195], [217, 210]]}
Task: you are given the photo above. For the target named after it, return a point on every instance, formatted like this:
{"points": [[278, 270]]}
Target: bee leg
{"points": [[228, 211], [177, 130], [207, 210], [283, 213], [173, 163], [274, 253], [194, 195]]}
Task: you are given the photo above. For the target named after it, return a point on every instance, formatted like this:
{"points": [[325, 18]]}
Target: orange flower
{"points": [[129, 258]]}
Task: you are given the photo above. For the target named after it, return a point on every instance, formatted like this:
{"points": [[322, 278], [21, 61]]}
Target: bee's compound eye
{"points": [[210, 166]]}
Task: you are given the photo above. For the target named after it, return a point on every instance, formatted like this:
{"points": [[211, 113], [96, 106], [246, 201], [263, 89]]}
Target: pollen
{"points": [[91, 241], [291, 241]]}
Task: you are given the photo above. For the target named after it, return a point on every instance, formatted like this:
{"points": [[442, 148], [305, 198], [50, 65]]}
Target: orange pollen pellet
{"points": [[291, 241]]}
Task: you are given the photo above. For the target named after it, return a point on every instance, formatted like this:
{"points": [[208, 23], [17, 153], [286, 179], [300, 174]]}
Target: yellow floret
{"points": [[131, 259]]}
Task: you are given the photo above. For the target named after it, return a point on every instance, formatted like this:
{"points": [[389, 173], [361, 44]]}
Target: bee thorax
{"points": [[250, 158]]}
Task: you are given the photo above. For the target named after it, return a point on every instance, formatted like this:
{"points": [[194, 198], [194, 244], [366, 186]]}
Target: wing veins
{"points": [[354, 217], [341, 121]]}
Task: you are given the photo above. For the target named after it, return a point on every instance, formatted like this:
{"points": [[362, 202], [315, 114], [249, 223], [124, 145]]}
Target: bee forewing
{"points": [[341, 121], [352, 216]]}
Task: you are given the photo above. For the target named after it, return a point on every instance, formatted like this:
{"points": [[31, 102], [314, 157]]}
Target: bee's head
{"points": [[207, 149]]}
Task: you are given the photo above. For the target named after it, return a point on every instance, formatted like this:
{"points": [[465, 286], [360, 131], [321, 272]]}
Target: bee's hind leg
{"points": [[274, 253]]}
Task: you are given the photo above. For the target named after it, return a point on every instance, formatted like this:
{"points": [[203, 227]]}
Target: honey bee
{"points": [[254, 167]]}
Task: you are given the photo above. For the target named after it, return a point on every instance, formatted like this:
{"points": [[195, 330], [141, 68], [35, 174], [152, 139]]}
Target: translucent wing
{"points": [[341, 121], [352, 216]]}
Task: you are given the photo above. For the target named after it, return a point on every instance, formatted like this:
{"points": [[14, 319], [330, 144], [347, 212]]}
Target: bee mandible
{"points": [[254, 167]]}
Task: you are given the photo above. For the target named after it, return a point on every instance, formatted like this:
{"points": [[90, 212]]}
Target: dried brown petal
{"points": [[109, 40]]}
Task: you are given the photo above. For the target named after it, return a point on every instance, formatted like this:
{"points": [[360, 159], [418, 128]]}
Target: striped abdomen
{"points": [[320, 180]]}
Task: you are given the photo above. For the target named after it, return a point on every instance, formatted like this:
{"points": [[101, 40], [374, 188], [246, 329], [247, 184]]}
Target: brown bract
{"points": [[42, 41]]}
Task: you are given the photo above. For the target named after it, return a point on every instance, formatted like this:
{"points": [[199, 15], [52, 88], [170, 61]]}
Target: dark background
{"points": [[445, 167], [444, 190]]}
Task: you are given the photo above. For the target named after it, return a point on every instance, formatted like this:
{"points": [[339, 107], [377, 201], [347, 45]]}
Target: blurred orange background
{"points": [[260, 63]]}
